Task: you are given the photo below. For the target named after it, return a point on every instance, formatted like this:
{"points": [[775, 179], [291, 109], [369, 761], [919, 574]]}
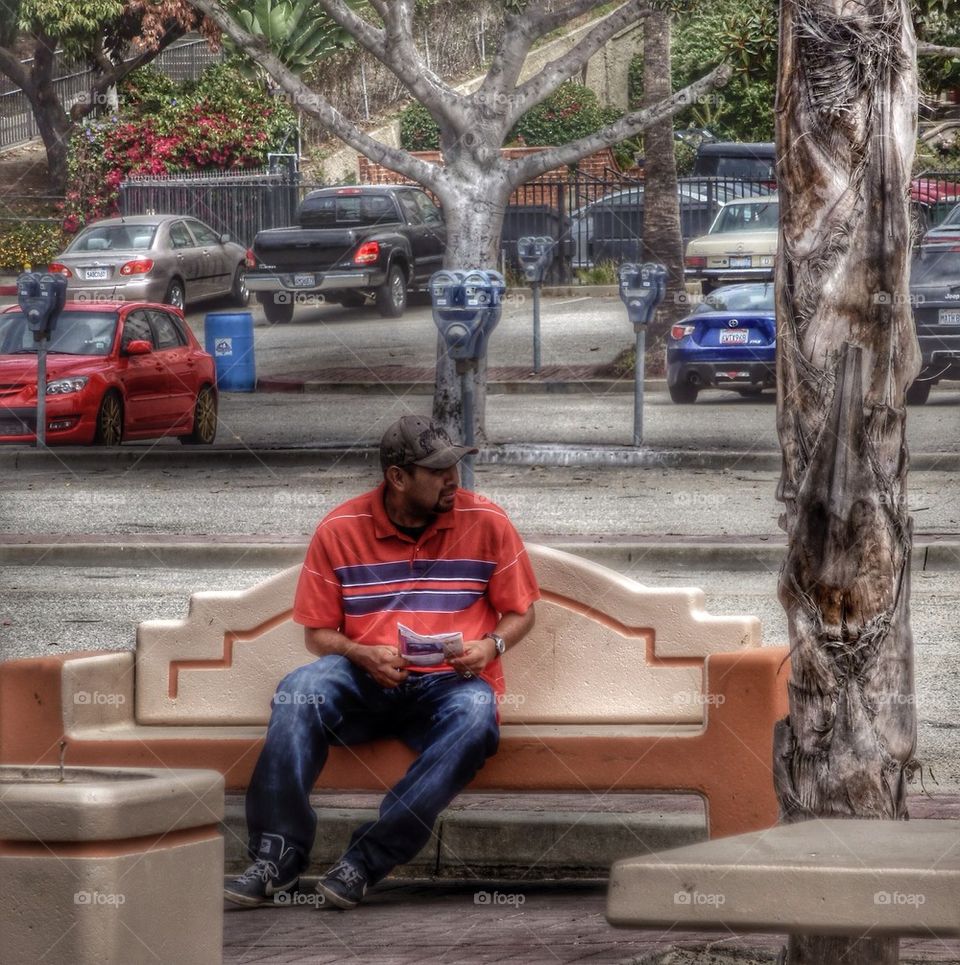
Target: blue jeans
{"points": [[450, 722]]}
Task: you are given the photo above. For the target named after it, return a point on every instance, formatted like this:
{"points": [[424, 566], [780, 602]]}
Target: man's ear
{"points": [[396, 478]]}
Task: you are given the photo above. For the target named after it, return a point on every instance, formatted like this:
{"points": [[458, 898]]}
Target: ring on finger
{"points": [[468, 674]]}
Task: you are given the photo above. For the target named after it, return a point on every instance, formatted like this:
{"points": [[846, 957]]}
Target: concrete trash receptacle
{"points": [[228, 337], [106, 865]]}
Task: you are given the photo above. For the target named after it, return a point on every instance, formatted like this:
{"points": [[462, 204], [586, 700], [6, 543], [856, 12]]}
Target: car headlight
{"points": [[63, 386]]}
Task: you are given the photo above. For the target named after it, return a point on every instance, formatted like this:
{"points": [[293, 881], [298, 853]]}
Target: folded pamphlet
{"points": [[428, 649]]}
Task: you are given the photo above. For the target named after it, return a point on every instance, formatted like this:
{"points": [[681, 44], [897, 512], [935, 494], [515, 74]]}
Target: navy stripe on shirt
{"points": [[373, 574], [432, 601]]}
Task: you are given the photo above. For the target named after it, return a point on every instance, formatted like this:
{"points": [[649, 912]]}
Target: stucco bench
{"points": [[620, 687]]}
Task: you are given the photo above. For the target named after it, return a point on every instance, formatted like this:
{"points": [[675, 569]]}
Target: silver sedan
{"points": [[153, 258]]}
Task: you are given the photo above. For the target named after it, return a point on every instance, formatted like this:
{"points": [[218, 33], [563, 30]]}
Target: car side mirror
{"points": [[139, 346], [224, 239]]}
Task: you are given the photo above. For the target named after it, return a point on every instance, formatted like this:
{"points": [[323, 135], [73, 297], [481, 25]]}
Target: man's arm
{"points": [[513, 627], [384, 664]]}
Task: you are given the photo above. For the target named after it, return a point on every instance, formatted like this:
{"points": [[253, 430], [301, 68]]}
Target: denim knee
{"points": [[475, 714]]}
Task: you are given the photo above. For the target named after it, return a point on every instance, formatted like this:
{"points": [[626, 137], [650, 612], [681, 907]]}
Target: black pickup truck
{"points": [[350, 243]]}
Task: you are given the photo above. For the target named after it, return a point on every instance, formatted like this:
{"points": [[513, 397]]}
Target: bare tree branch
{"points": [[317, 106], [14, 69], [393, 46], [544, 83], [935, 50], [529, 167]]}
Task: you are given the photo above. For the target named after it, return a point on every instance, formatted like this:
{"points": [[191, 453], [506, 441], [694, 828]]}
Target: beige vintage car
{"points": [[740, 246]]}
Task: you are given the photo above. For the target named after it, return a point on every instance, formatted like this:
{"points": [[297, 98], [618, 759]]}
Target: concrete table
{"points": [[839, 877], [111, 865]]}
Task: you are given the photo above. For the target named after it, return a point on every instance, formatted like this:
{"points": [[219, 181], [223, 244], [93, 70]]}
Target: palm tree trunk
{"points": [[662, 241], [846, 353]]}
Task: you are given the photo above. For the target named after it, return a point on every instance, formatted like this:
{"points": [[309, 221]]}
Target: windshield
{"points": [[738, 298], [77, 333], [747, 217], [132, 237], [936, 265], [953, 218]]}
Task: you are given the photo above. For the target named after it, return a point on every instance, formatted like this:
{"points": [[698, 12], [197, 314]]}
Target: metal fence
{"points": [[593, 220], [181, 61]]}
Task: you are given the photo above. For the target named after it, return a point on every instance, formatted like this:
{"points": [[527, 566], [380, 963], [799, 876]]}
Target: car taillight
{"points": [[681, 331], [139, 267], [250, 260], [57, 269], [695, 261], [367, 253]]}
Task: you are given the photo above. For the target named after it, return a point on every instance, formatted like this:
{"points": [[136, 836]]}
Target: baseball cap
{"points": [[421, 442]]}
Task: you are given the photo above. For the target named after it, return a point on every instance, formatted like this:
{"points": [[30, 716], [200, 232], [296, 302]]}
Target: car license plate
{"points": [[304, 281], [738, 336], [96, 274], [743, 261], [949, 316]]}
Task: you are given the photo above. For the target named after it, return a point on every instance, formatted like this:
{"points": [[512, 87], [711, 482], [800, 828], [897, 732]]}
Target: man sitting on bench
{"points": [[420, 552]]}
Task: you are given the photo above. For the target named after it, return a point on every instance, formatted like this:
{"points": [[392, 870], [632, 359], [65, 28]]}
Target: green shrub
{"points": [[418, 130], [29, 244]]}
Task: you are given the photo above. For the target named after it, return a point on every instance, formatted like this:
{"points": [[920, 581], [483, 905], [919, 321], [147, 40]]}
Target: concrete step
{"points": [[511, 836]]}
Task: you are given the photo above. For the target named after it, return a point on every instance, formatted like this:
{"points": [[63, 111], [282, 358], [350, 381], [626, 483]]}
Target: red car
{"points": [[115, 371]]}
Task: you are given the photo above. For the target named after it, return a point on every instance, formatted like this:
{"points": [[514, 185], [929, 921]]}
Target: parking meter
{"points": [[41, 298], [466, 309], [642, 289], [535, 254]]}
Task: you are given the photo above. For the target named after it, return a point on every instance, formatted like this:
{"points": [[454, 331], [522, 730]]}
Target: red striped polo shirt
{"points": [[363, 576]]}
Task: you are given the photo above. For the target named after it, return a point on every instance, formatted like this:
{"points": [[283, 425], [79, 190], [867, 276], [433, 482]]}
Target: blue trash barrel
{"points": [[228, 337]]}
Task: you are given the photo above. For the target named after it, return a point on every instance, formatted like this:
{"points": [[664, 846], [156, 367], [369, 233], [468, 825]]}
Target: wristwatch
{"points": [[498, 642]]}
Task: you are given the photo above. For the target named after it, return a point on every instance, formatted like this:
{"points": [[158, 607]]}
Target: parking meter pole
{"points": [[639, 368], [41, 393], [466, 398], [536, 328]]}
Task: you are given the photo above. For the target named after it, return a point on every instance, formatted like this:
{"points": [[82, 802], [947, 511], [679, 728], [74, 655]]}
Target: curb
{"points": [[594, 386], [759, 554], [510, 454]]}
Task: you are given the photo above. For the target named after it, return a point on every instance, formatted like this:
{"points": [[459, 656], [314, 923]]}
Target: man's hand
{"points": [[476, 655], [384, 664]]}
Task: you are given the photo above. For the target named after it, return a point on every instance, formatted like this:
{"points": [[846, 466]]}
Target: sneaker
{"points": [[276, 870], [342, 886]]}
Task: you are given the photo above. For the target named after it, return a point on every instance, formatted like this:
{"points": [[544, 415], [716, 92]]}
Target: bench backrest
{"points": [[604, 650]]}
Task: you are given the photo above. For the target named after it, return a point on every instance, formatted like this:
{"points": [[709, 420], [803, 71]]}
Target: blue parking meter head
{"points": [[446, 289], [41, 298], [535, 254], [642, 288]]}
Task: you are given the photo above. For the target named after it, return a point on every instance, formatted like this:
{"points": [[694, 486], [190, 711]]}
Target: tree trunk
{"points": [[474, 219], [846, 353], [53, 124], [662, 241]]}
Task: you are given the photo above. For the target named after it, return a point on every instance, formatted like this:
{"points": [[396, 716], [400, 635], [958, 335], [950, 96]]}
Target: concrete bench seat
{"points": [[620, 687], [821, 877]]}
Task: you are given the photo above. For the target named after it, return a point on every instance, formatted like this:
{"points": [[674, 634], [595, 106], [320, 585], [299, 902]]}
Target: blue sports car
{"points": [[729, 341]]}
